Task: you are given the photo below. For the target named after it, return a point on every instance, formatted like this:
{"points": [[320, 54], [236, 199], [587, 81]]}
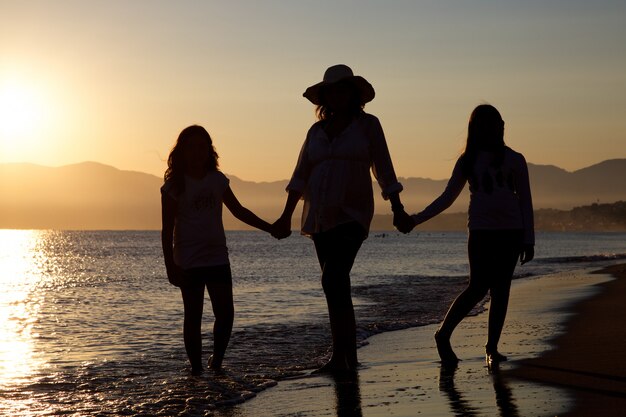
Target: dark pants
{"points": [[336, 250], [493, 255], [218, 282]]}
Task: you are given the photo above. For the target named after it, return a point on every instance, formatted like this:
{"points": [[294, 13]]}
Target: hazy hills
{"points": [[94, 196], [82, 196]]}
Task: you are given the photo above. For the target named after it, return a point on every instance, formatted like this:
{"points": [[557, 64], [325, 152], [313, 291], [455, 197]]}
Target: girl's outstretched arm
{"points": [[168, 215], [455, 185], [243, 213]]}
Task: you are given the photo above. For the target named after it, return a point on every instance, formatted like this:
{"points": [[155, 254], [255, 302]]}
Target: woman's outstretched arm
{"points": [[401, 219], [282, 226]]}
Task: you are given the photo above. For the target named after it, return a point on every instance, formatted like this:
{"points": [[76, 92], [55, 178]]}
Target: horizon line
{"points": [[103, 164]]}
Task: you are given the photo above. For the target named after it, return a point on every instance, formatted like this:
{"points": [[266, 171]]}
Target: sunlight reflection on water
{"points": [[89, 324], [19, 276]]}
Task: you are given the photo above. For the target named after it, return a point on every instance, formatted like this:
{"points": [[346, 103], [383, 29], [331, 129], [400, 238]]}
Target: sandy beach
{"points": [[589, 358], [554, 328]]}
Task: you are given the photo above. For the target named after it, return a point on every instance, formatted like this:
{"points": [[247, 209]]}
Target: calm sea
{"points": [[90, 326]]}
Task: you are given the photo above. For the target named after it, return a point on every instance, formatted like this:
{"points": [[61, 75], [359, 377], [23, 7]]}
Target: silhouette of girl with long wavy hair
{"points": [[194, 242], [500, 222]]}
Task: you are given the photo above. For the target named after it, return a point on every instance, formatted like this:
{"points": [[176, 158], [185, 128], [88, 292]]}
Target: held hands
{"points": [[281, 228], [403, 221], [528, 253]]}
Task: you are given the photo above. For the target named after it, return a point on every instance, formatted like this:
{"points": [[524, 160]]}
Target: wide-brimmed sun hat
{"points": [[338, 73]]}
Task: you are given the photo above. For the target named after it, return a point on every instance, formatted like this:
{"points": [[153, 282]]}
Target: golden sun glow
{"points": [[22, 113]]}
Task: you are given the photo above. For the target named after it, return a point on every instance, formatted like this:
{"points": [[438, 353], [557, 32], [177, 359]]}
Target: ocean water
{"points": [[89, 324]]}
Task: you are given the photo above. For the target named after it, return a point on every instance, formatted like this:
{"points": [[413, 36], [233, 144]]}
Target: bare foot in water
{"points": [[197, 371], [447, 355], [215, 364], [335, 366], [494, 357]]}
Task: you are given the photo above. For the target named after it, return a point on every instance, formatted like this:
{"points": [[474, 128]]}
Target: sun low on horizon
{"points": [[22, 113], [115, 82], [34, 117], [44, 119]]}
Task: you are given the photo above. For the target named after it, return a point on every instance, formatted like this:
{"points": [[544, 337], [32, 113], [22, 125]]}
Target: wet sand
{"points": [[401, 376], [589, 358]]}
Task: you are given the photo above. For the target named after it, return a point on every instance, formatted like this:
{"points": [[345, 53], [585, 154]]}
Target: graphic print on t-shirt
{"points": [[204, 200], [488, 182]]}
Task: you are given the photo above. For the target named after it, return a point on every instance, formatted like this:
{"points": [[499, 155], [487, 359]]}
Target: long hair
{"points": [[175, 171], [323, 112], [485, 132]]}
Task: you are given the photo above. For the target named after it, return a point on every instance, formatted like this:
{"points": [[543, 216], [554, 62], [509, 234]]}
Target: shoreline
{"points": [[588, 358], [401, 375]]}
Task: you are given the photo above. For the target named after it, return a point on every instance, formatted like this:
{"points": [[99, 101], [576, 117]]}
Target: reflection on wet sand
{"points": [[504, 394], [348, 394], [460, 405]]}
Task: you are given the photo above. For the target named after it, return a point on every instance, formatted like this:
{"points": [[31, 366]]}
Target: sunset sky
{"points": [[116, 81]]}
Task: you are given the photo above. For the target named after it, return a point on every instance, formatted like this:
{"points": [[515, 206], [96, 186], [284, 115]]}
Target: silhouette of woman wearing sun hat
{"points": [[332, 176]]}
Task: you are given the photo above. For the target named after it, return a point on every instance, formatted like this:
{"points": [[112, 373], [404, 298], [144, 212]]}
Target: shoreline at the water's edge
{"points": [[401, 374], [588, 359]]}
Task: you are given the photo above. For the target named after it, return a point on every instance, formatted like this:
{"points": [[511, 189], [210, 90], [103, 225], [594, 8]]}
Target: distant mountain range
{"points": [[91, 195]]}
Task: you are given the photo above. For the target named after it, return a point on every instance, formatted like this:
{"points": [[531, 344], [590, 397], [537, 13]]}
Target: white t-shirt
{"points": [[499, 197], [199, 238]]}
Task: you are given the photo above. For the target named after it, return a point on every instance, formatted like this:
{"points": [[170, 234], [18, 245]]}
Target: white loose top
{"points": [[334, 176], [499, 196], [199, 238]]}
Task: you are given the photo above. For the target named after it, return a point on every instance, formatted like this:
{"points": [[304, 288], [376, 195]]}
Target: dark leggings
{"points": [[336, 251], [218, 282], [493, 255]]}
